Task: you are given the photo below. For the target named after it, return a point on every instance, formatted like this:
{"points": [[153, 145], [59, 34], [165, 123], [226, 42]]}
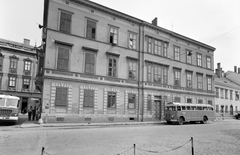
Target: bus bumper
{"points": [[8, 119]]}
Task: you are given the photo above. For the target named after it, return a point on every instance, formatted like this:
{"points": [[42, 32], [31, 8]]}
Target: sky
{"points": [[213, 22]]}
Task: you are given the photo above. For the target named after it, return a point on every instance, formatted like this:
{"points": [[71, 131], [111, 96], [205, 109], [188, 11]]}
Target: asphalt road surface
{"points": [[214, 138]]}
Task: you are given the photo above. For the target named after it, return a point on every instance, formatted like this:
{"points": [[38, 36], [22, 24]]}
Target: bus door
{"points": [[158, 110]]}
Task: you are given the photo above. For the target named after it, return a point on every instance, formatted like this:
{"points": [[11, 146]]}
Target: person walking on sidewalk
{"points": [[34, 113], [30, 113]]}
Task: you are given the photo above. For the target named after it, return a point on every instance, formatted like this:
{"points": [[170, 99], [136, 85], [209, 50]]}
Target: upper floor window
{"points": [[113, 38], [149, 45], [1, 61], [217, 92], [209, 83], [132, 41], [13, 63], [177, 77], [157, 73], [63, 57], [112, 66], [112, 98], [209, 64], [189, 56], [12, 81], [27, 65], [222, 94], [132, 69], [176, 53], [165, 49], [231, 94], [199, 60], [26, 83], [199, 81], [61, 98], [157, 47], [91, 29], [189, 79], [88, 100], [226, 94], [90, 62], [65, 22], [236, 95]]}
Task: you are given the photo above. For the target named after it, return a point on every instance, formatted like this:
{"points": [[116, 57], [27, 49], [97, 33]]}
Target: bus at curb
{"points": [[180, 113], [9, 108]]}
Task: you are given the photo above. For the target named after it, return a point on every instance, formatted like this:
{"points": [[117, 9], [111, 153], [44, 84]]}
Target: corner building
{"points": [[102, 65]]}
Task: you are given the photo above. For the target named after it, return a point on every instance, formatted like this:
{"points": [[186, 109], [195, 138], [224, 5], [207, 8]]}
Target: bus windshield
{"points": [[12, 103], [2, 102]]}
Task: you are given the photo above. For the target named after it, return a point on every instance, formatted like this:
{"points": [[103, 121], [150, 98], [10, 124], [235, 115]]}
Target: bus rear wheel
{"points": [[180, 121]]}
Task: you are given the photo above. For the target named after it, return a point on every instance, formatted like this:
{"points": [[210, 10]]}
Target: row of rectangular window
{"points": [[12, 82], [14, 64], [218, 110], [226, 94], [155, 46]]}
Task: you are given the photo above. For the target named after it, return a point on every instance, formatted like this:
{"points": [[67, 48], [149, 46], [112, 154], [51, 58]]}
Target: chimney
{"points": [[154, 22], [26, 41], [220, 72], [235, 69], [218, 65]]}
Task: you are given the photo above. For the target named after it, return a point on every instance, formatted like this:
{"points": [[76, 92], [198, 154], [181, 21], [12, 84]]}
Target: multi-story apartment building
{"points": [[227, 94], [103, 65], [18, 68]]}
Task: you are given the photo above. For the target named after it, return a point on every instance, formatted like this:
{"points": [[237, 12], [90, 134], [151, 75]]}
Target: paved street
{"points": [[215, 138]]}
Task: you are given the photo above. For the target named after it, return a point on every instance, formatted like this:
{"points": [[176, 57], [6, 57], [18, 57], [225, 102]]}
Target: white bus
{"points": [[9, 108], [188, 112]]}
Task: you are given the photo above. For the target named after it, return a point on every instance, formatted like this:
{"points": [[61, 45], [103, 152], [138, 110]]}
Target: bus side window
{"points": [[173, 108], [188, 108], [193, 107], [178, 108], [183, 107], [205, 108]]}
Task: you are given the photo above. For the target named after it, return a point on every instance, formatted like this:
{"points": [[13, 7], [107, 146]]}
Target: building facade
{"points": [[102, 65], [18, 68], [227, 102]]}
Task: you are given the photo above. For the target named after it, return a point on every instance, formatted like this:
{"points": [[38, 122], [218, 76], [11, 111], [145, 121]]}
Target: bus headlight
{"points": [[14, 114], [172, 116]]}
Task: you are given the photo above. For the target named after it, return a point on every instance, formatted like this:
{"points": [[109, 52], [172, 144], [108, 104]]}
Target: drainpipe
{"points": [[139, 68], [142, 82]]}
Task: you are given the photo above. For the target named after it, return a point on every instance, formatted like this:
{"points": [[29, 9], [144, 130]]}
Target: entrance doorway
{"points": [[24, 106], [231, 110], [158, 108]]}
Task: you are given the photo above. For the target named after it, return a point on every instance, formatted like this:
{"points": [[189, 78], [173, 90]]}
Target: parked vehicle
{"points": [[237, 116], [188, 112]]}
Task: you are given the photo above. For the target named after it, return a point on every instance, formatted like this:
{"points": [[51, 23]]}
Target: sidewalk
{"points": [[36, 124]]}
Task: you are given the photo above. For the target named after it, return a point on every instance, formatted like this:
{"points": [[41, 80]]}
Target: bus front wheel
{"points": [[180, 121], [204, 121]]}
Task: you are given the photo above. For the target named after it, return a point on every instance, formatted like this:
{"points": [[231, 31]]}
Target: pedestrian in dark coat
{"points": [[34, 113], [30, 113]]}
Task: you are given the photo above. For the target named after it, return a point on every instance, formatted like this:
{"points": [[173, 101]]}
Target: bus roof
{"points": [[9, 96], [187, 104]]}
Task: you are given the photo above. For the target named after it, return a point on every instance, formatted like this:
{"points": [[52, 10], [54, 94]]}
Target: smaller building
{"points": [[18, 68], [227, 94]]}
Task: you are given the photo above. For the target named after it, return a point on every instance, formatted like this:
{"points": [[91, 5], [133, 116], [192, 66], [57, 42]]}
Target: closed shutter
{"points": [[61, 96]]}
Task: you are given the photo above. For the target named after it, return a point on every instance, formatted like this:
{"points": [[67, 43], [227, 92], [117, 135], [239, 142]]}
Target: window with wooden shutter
{"points": [[61, 96], [63, 58], [91, 29], [89, 63], [112, 66], [131, 101], [65, 22], [88, 100], [112, 97]]}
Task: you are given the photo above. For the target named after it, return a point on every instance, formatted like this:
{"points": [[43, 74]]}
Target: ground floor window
{"points": [[61, 96], [131, 101]]}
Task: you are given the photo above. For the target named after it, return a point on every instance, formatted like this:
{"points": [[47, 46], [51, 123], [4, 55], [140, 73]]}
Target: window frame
{"points": [[199, 59], [131, 65], [91, 64], [165, 49], [27, 65], [176, 77], [188, 57], [64, 47], [113, 67], [134, 40], [25, 79], [226, 93], [112, 96], [149, 45], [113, 37], [61, 95], [12, 80], [157, 47], [199, 83], [89, 27], [64, 29], [176, 53], [88, 98], [13, 63], [209, 83], [208, 63], [217, 92], [189, 81], [134, 100]]}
